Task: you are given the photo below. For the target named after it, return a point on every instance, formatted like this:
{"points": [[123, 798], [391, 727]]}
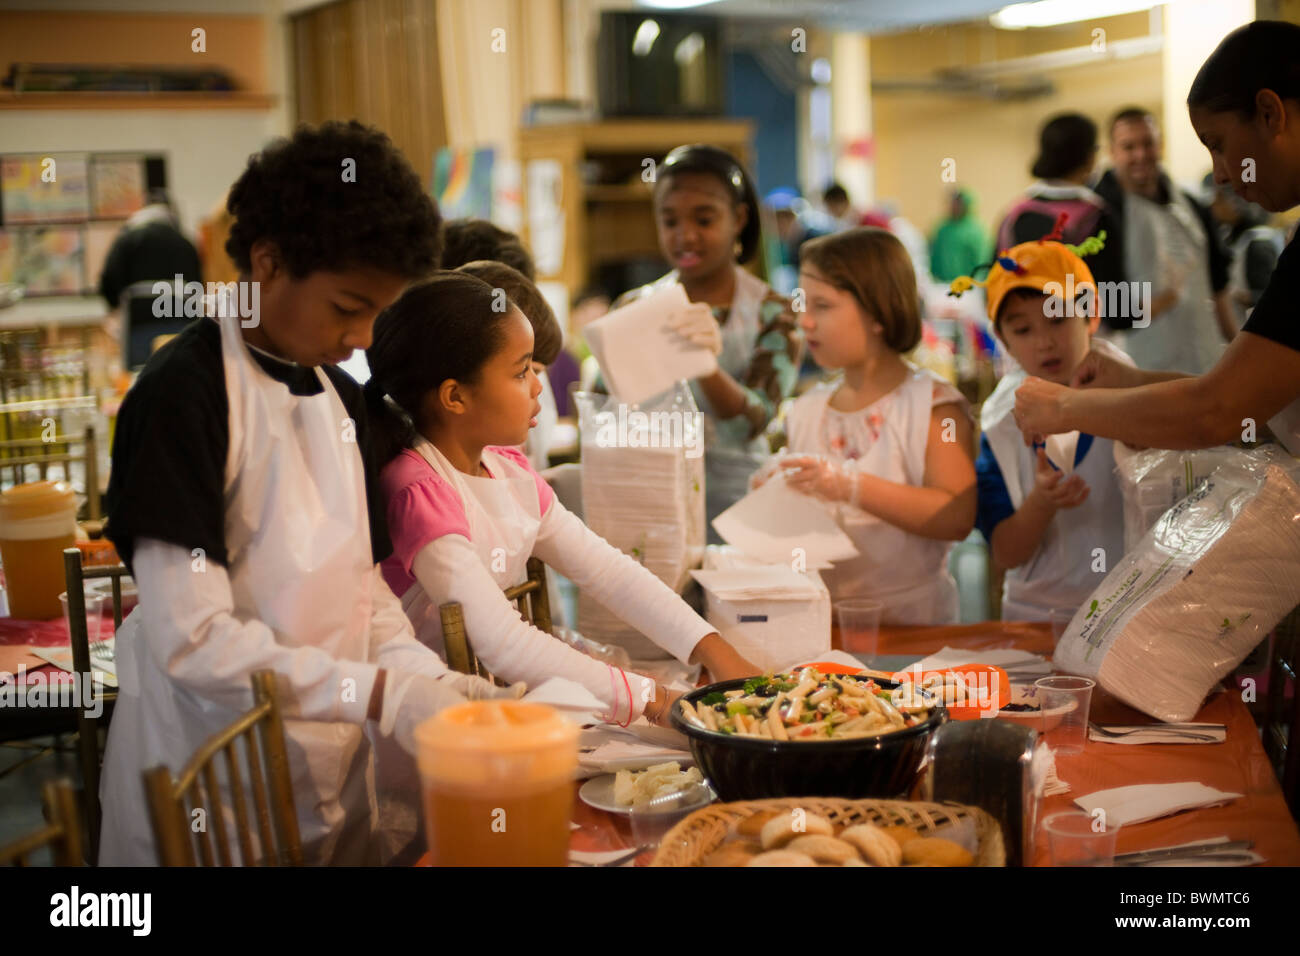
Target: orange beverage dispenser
{"points": [[37, 521], [497, 778]]}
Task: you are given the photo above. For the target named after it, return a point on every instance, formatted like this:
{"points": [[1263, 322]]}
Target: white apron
{"points": [[905, 572], [1161, 239], [298, 543], [1060, 574], [504, 516]]}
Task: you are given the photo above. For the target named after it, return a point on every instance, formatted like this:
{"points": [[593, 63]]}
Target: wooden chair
{"points": [[19, 453], [1280, 728], [530, 597], [268, 778], [88, 727], [61, 833]]}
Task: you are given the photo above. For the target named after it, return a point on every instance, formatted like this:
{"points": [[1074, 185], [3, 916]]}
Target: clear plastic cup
{"points": [[94, 615], [859, 621], [1064, 703], [1075, 838], [1060, 618], [497, 780], [651, 821]]}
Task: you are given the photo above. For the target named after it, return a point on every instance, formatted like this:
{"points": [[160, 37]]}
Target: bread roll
{"points": [[874, 844], [736, 853], [935, 851], [823, 849], [780, 830], [782, 858]]}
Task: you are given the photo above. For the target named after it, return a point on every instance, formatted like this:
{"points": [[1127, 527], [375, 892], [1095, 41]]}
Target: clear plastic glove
{"points": [[696, 324], [820, 477], [410, 699], [765, 472]]}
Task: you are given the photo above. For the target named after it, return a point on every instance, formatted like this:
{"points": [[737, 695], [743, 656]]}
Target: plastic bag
{"points": [[1202, 588]]}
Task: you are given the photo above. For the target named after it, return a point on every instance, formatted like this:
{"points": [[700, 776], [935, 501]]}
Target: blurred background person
{"points": [[960, 242], [1063, 170], [1170, 242], [1252, 241], [150, 248]]}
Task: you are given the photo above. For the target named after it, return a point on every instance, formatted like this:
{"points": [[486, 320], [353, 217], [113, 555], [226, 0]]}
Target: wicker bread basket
{"points": [[694, 838]]}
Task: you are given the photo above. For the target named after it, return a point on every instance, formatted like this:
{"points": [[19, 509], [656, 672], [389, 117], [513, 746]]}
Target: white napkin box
{"points": [[770, 632]]}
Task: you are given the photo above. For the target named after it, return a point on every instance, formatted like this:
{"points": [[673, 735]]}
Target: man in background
{"points": [[1169, 242], [150, 248]]}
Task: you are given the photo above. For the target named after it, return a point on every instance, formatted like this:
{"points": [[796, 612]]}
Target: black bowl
{"points": [[755, 768]]}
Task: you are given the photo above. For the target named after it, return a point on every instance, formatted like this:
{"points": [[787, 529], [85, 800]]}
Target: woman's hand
{"points": [[696, 324], [1098, 370], [819, 477], [1054, 488], [1039, 409]]}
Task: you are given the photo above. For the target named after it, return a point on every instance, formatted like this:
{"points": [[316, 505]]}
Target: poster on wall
{"points": [[49, 260], [462, 182], [117, 186], [544, 189], [44, 188]]}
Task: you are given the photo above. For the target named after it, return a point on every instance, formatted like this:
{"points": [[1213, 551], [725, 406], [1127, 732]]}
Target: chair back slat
{"points": [[204, 837], [61, 834], [238, 803], [216, 817], [259, 797], [278, 772]]}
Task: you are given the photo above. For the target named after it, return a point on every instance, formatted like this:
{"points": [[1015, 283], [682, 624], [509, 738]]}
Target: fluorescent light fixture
{"points": [[688, 49], [675, 4], [821, 70], [646, 34], [1049, 13]]}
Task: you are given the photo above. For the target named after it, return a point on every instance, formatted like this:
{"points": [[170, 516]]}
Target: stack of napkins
{"points": [[640, 356], [773, 582], [1021, 665], [606, 748], [570, 698], [1142, 802], [779, 525]]}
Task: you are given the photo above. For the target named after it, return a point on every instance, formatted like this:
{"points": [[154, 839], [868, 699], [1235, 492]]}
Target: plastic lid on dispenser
{"points": [[38, 509], [491, 741]]}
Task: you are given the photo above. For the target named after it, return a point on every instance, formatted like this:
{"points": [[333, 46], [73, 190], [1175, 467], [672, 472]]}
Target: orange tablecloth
{"points": [[1238, 765]]}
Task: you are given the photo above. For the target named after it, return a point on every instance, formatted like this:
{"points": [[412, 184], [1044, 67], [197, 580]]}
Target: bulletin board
{"points": [[60, 211]]}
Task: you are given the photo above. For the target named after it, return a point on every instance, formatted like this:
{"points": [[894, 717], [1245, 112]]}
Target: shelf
{"points": [[631, 192], [136, 101]]}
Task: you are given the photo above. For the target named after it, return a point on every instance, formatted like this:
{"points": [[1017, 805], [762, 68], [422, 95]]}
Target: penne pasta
{"points": [[806, 706]]}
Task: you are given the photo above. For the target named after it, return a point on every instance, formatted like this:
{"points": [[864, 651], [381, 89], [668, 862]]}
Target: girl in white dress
{"points": [[885, 444], [453, 389]]}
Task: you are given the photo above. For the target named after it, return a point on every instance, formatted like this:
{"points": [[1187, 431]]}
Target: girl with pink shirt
{"points": [[452, 387]]}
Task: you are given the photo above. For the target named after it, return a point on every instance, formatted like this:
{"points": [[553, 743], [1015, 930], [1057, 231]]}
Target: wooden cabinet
{"points": [[607, 206]]}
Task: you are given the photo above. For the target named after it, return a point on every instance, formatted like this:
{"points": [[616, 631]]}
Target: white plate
{"points": [[598, 792]]}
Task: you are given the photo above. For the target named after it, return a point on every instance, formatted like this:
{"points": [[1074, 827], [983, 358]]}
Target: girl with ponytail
{"points": [[452, 393]]}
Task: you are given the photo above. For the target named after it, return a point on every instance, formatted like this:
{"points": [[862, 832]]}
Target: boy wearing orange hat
{"points": [[1053, 516]]}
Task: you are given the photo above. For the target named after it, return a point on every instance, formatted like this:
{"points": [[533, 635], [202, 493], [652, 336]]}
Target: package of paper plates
{"points": [[1202, 588]]}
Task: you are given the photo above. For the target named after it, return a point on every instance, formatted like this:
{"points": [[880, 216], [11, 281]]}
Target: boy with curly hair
{"points": [[242, 500]]}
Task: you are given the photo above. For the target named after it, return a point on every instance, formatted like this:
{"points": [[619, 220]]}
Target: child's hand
{"points": [[761, 477], [818, 477], [696, 324], [1054, 488]]}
